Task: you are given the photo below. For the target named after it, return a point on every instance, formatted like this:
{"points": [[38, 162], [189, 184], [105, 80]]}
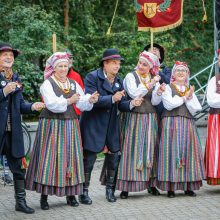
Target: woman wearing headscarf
{"points": [[139, 128], [56, 163], [180, 164], [212, 156]]}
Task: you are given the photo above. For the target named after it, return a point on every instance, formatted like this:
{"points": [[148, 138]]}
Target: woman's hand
{"points": [[73, 99], [137, 101], [190, 93], [94, 97], [161, 89]]}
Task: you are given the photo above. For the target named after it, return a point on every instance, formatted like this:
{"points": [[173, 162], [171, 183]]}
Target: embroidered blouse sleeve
{"points": [[83, 104], [193, 105], [131, 87], [170, 102], [213, 98], [53, 103], [156, 99]]}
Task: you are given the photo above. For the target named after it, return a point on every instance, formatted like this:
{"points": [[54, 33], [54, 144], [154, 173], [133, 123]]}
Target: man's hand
{"points": [[37, 106], [94, 97], [9, 88], [118, 96]]}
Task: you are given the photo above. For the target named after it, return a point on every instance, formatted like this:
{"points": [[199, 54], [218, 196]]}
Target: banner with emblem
{"points": [[158, 15]]}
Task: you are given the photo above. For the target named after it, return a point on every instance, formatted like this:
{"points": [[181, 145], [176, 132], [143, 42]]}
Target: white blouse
{"points": [[170, 102], [59, 104], [133, 90], [213, 98]]}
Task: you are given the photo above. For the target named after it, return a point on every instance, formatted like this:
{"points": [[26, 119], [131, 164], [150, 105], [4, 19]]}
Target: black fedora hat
{"points": [[7, 46], [160, 48], [111, 54]]}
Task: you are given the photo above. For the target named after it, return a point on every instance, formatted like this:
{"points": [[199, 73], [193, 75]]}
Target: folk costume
{"points": [[180, 163], [212, 152], [12, 106], [100, 126], [164, 73], [139, 131], [56, 163]]}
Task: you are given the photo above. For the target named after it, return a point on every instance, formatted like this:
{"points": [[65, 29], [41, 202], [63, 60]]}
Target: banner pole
{"points": [[151, 38], [54, 43]]}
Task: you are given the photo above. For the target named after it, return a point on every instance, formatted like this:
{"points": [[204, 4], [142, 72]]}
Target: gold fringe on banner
{"points": [[113, 17]]}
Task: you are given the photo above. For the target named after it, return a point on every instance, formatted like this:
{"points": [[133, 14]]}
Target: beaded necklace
{"points": [[61, 85], [143, 79], [181, 94]]}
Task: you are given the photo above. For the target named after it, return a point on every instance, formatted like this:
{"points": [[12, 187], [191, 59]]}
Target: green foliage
{"points": [[29, 26]]}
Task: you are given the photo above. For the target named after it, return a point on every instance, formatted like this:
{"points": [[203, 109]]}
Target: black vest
{"points": [[146, 106], [179, 111], [70, 112]]}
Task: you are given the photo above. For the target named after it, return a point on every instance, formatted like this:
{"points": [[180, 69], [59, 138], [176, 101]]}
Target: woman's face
{"points": [[180, 75], [143, 67], [61, 69]]}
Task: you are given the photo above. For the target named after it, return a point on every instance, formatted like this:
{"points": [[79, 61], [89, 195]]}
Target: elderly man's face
{"points": [[6, 59]]}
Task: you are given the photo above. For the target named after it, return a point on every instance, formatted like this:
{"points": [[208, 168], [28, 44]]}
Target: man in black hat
{"points": [[12, 105], [100, 126]]}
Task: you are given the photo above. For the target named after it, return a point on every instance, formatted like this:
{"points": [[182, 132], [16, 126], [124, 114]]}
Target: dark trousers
{"points": [[111, 161], [14, 164]]}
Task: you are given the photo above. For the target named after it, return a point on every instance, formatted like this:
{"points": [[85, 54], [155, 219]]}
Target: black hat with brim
{"points": [[8, 47], [111, 54], [160, 48]]}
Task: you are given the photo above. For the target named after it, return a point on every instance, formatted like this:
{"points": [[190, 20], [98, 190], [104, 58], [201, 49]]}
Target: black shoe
{"points": [[20, 195], [124, 195], [110, 195], [171, 194], [154, 191], [71, 200], [190, 193], [43, 202], [84, 198]]}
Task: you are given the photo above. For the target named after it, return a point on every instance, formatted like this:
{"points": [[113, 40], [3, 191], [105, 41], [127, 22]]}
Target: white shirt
{"points": [[170, 102], [133, 90], [59, 104], [213, 98]]}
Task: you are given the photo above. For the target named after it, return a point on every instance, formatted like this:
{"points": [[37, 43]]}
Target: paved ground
{"points": [[138, 206]]}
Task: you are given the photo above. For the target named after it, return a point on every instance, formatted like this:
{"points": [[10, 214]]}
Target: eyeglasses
{"points": [[181, 70]]}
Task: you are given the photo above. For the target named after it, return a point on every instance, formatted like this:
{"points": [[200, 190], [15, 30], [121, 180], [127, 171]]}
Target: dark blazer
{"points": [[100, 126], [18, 107]]}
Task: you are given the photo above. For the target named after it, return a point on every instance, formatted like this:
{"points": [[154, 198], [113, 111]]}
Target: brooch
{"points": [[72, 86]]}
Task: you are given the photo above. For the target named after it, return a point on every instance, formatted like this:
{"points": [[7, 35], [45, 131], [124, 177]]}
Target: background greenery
{"points": [[29, 26]]}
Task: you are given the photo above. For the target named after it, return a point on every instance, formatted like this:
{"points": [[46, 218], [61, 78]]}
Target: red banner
{"points": [[158, 15]]}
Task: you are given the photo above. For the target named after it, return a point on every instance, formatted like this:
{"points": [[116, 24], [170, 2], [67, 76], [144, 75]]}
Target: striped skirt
{"points": [[138, 144], [180, 165], [212, 152], [56, 163]]}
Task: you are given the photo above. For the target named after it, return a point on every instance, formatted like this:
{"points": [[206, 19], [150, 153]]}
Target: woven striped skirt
{"points": [[56, 163], [180, 164], [212, 152], [138, 144]]}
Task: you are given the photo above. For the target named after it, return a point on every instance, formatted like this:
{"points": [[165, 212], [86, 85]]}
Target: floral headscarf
{"points": [[176, 66], [152, 61], [53, 60]]}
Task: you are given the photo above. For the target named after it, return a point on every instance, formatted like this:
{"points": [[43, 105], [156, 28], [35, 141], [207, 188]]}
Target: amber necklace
{"points": [[143, 79], [181, 94], [61, 85]]}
